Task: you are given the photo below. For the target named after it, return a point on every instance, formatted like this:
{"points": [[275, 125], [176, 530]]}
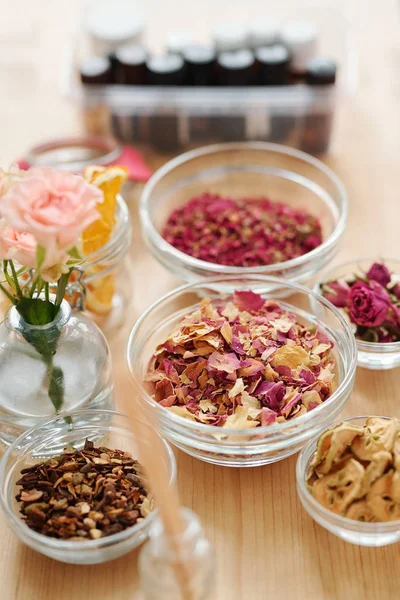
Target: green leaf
{"points": [[40, 256], [74, 253], [36, 311], [56, 386]]}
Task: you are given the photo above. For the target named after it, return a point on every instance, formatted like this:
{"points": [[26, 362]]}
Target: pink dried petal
{"points": [[268, 417], [248, 301], [223, 362], [250, 367], [168, 401], [271, 393], [170, 371], [291, 404], [164, 389]]}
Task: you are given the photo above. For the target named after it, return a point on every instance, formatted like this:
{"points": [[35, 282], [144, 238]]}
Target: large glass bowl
{"points": [[350, 530], [104, 428], [245, 170], [371, 355], [262, 445]]}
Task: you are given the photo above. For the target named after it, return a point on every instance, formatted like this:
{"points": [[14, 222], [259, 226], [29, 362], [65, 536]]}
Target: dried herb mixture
{"points": [[241, 365], [248, 232], [84, 494], [355, 471]]}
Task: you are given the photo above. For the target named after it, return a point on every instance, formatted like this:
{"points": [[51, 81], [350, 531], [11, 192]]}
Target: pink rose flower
{"points": [[21, 248], [380, 273], [54, 206], [337, 293], [368, 303]]}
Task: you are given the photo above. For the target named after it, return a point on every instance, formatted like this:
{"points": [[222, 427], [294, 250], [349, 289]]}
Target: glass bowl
{"points": [[250, 169], [371, 355], [355, 532], [233, 447], [103, 427]]}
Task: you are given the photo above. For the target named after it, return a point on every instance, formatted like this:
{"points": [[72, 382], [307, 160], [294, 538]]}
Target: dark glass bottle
{"points": [[130, 65], [95, 70]]}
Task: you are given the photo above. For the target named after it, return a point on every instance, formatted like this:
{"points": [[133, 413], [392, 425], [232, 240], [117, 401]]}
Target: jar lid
{"points": [[170, 63], [177, 41], [301, 39], [131, 54], [272, 55], [321, 71], [199, 55], [238, 60], [114, 21], [264, 32], [230, 36], [93, 66]]}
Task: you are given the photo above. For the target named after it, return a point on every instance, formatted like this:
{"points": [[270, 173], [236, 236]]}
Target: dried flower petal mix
{"points": [[83, 495], [249, 232], [242, 364], [355, 470]]}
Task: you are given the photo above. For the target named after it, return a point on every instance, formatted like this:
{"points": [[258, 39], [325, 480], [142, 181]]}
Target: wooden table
{"points": [[267, 546]]}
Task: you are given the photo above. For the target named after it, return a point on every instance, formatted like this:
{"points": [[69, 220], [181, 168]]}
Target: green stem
{"points": [[61, 287], [7, 293], [15, 277], [46, 292]]}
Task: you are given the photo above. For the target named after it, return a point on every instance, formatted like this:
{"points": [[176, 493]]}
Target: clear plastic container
{"points": [[371, 355], [349, 530], [243, 447], [176, 118], [105, 428], [252, 169]]}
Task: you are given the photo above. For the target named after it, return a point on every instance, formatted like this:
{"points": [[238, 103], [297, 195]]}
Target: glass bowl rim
{"points": [[278, 427], [196, 263], [361, 344], [339, 520], [70, 546]]}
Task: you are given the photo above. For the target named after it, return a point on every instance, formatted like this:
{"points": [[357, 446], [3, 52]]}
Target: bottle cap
{"points": [[110, 23], [321, 71], [177, 41], [131, 54], [95, 70], [264, 32], [230, 36], [273, 64], [238, 60], [199, 55], [301, 39], [272, 55], [166, 70], [236, 68]]}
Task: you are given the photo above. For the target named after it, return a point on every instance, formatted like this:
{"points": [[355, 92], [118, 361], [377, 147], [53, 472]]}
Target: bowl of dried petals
{"points": [[348, 480], [242, 379], [367, 292], [73, 489], [242, 208]]}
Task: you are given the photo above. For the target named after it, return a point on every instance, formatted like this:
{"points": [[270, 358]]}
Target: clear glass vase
{"points": [[50, 369], [158, 562]]}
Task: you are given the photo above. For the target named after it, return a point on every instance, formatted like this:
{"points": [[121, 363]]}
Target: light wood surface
{"points": [[266, 545]]}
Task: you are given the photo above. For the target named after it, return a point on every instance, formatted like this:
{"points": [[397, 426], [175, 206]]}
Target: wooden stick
{"points": [[141, 414]]}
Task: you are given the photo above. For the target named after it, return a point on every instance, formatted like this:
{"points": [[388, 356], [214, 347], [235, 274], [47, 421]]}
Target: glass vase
{"points": [[50, 369]]}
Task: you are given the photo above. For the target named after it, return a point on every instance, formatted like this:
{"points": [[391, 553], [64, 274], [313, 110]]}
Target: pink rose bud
{"points": [[380, 273], [337, 293], [369, 304]]}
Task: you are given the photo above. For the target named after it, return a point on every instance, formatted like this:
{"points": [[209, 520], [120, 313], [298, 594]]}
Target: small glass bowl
{"points": [[371, 355], [252, 169], [349, 530], [261, 445], [106, 428]]}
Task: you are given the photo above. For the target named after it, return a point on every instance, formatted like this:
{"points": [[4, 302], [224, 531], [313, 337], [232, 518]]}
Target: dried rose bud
{"points": [[380, 273]]}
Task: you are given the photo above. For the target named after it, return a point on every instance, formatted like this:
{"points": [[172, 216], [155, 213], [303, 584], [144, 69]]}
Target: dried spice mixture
{"points": [[241, 365], [248, 232], [82, 495], [355, 471]]}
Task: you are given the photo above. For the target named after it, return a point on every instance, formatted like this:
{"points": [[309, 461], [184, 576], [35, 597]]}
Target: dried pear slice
{"points": [[338, 490], [380, 499], [376, 468], [360, 511], [342, 437], [379, 434], [396, 487], [325, 441], [396, 452]]}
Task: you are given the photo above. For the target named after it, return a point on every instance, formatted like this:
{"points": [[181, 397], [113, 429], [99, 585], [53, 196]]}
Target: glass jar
{"points": [[105, 287], [157, 558], [50, 369]]}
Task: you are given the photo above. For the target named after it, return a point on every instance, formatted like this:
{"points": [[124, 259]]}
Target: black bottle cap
{"points": [[273, 65], [236, 68], [95, 70], [131, 65], [200, 65], [166, 70], [321, 71]]}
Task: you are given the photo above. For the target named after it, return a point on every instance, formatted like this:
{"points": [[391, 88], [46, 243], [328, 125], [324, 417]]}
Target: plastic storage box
{"points": [[173, 119]]}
